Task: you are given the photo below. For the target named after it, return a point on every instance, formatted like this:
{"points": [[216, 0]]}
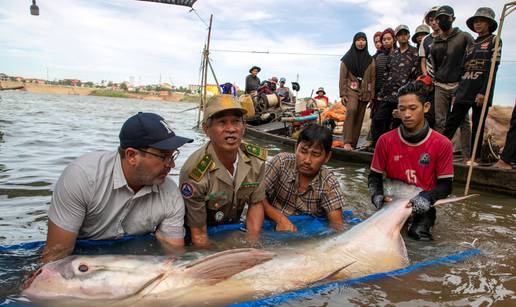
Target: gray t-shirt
{"points": [[92, 199]]}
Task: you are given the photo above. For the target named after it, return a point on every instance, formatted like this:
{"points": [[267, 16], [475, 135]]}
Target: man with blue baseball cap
{"points": [[111, 194]]}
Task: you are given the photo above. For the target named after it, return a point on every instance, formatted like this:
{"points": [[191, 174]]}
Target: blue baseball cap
{"points": [[149, 130]]}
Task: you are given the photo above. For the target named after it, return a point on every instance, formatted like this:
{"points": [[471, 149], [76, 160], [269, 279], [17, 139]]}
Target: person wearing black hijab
{"points": [[356, 87]]}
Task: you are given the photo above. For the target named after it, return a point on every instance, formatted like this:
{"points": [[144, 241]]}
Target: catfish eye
{"points": [[83, 268]]}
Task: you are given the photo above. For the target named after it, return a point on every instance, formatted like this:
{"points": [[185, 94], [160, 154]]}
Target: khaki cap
{"points": [[219, 103]]}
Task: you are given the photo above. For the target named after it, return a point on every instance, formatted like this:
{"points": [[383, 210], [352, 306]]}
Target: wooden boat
{"points": [[484, 178]]}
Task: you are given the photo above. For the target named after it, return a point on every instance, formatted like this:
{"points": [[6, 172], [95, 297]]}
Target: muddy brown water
{"points": [[41, 133]]}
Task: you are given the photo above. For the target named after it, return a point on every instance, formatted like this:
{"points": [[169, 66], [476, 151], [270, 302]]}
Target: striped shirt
{"points": [[322, 196], [424, 52], [381, 62]]}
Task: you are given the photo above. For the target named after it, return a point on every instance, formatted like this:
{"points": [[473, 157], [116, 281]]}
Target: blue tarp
{"points": [[308, 226]]}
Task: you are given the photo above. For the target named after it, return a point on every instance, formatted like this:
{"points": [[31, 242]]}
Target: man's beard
{"points": [[144, 178]]}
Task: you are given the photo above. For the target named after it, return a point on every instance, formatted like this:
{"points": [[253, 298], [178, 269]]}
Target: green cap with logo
{"points": [[219, 103]]}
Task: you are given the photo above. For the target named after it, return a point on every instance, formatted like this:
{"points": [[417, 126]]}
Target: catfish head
{"points": [[96, 277], [120, 277]]}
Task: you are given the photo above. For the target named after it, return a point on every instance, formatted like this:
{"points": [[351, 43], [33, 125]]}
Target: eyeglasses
{"points": [[165, 159]]}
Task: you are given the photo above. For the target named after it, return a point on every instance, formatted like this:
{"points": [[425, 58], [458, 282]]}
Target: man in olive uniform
{"points": [[222, 177]]}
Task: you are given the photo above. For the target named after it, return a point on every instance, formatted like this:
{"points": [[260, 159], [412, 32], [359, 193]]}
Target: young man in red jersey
{"points": [[417, 155]]}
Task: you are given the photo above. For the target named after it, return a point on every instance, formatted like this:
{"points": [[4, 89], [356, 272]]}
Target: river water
{"points": [[41, 133]]}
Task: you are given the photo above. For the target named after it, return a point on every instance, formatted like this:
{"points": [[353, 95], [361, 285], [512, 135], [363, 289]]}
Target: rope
{"points": [[200, 18]]}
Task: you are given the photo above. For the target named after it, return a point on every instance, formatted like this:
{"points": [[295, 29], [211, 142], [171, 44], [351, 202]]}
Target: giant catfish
{"points": [[373, 246]]}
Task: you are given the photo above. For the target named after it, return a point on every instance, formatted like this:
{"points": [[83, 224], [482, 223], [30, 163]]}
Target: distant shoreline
{"points": [[87, 91]]}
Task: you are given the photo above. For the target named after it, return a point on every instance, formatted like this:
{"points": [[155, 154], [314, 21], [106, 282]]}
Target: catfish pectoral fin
{"points": [[333, 274], [220, 266]]}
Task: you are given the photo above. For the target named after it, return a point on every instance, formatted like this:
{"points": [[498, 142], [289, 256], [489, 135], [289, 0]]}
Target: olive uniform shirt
{"points": [[211, 196]]}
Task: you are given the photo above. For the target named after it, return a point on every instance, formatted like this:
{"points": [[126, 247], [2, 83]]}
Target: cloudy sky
{"points": [[115, 39]]}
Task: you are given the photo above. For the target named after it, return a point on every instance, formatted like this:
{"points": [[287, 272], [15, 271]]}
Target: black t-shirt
{"points": [[447, 55], [251, 84], [477, 62]]}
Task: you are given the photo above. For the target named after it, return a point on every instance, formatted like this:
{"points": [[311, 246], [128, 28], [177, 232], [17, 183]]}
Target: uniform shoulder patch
{"points": [[187, 190], [257, 151], [202, 166]]}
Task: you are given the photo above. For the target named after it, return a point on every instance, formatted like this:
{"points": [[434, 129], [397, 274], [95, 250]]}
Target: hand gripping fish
{"points": [[373, 246]]}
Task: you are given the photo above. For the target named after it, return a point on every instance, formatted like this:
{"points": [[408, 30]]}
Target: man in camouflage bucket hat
{"points": [[473, 85], [224, 177]]}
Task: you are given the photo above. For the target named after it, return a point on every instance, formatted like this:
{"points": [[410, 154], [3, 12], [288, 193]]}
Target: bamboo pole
{"points": [[201, 101], [511, 6], [206, 59], [205, 72]]}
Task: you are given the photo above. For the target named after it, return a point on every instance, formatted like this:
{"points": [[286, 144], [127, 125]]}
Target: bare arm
{"points": [[282, 222], [200, 236], [335, 220], [60, 243], [254, 220], [424, 71], [171, 245]]}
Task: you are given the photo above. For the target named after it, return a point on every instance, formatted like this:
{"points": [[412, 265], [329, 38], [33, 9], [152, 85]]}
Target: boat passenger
{"points": [[401, 67], [377, 38], [298, 183], [447, 52], [284, 92], [415, 154], [425, 46], [252, 82], [320, 95], [222, 178], [380, 58], [421, 31], [356, 86], [110, 194], [228, 88], [475, 76]]}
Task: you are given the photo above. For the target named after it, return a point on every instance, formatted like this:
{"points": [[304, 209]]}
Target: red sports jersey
{"points": [[419, 164]]}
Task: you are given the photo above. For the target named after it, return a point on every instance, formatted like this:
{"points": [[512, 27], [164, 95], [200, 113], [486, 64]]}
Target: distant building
{"points": [[165, 86], [194, 88]]}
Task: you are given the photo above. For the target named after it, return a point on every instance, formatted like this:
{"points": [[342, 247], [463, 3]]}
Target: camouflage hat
{"points": [[219, 103], [420, 29], [430, 13], [484, 13], [401, 28]]}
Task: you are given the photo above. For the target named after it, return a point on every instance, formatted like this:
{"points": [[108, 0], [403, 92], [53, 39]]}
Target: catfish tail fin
{"points": [[453, 199]]}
